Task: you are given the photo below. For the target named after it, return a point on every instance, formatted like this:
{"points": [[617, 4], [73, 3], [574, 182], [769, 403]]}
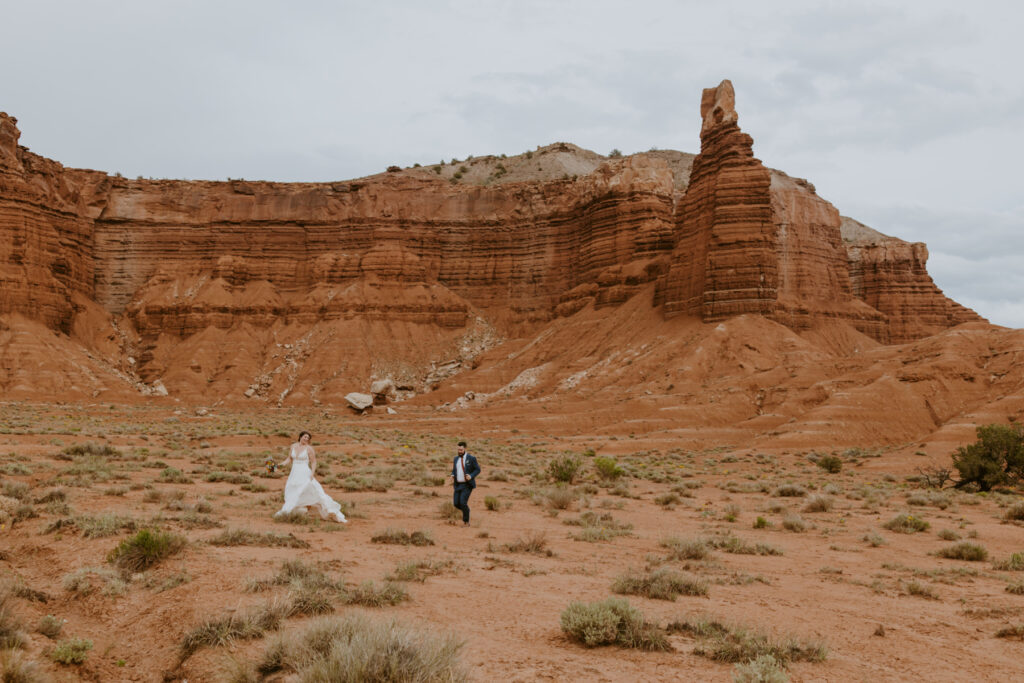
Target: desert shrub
{"points": [[353, 649], [1015, 588], [492, 503], [1015, 631], [564, 468], [310, 601], [418, 570], [761, 523], [230, 477], [368, 594], [660, 584], [172, 475], [91, 448], [612, 621], [448, 512], [790, 491], [763, 669], [830, 463], [1014, 513], [971, 552], [1014, 564], [558, 498], [401, 537], [794, 523], [873, 539], [995, 459], [16, 489], [50, 626], [607, 468], [71, 651], [54, 496], [819, 504], [232, 537], [535, 543], [145, 549], [738, 546], [948, 535], [498, 475], [728, 643], [686, 549], [906, 524], [919, 590], [667, 499]]}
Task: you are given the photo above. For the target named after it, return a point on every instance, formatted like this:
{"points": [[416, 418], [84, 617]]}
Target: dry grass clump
{"points": [[353, 649], [89, 448], [87, 580], [971, 552], [1014, 513], [71, 651], [948, 535], [15, 668], [906, 524], [418, 570], [492, 503], [1015, 588], [1016, 632], [794, 523], [612, 621], [738, 546], [599, 527], [231, 537], [557, 498], [933, 498], [1015, 563], [790, 491], [172, 475], [686, 549], [224, 630], [293, 517], [103, 525], [661, 584], [763, 669], [667, 499], [736, 643], [145, 549], [402, 537], [449, 513], [535, 543], [819, 503], [53, 496], [12, 634], [919, 590], [368, 594]]}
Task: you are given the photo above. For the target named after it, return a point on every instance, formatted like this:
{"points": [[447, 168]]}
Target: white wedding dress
{"points": [[302, 490]]}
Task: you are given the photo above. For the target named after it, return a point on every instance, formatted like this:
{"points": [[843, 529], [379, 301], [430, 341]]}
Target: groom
{"points": [[465, 470]]}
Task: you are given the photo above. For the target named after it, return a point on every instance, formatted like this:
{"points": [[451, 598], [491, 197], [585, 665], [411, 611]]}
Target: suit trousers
{"points": [[460, 499]]}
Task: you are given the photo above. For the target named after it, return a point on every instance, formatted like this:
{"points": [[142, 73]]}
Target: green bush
{"points": [[145, 549], [906, 524], [995, 459], [971, 552], [607, 468], [613, 621], [830, 463], [72, 651], [564, 468]]}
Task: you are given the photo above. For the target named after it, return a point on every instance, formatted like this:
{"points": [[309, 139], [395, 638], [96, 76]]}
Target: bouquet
{"points": [[271, 465]]}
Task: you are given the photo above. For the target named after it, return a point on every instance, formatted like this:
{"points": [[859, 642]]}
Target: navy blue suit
{"points": [[462, 489]]}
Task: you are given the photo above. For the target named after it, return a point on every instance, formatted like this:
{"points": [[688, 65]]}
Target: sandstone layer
{"points": [[306, 291]]}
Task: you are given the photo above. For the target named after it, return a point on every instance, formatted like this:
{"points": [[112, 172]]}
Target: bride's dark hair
{"points": [[306, 433]]}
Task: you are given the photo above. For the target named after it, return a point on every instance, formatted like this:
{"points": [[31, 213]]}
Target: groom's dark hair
{"points": [[461, 443], [305, 432]]}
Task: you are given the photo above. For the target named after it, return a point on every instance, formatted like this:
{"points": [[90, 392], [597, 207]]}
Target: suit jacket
{"points": [[472, 469]]}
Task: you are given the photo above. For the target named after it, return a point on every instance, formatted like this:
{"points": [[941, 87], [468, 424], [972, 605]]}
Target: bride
{"points": [[302, 489]]}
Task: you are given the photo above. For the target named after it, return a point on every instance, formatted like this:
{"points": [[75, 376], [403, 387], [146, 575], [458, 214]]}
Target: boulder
{"points": [[359, 402]]}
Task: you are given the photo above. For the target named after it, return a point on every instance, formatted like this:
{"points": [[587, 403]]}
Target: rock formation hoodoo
{"points": [[306, 292]]}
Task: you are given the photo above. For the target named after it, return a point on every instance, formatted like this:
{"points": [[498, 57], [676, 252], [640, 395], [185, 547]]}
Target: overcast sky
{"points": [[905, 115]]}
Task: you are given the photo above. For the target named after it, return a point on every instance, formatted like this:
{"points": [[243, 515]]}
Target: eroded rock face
{"points": [[286, 291]]}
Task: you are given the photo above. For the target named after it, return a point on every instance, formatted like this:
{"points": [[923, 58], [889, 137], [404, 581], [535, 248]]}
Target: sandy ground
{"points": [[844, 579]]}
